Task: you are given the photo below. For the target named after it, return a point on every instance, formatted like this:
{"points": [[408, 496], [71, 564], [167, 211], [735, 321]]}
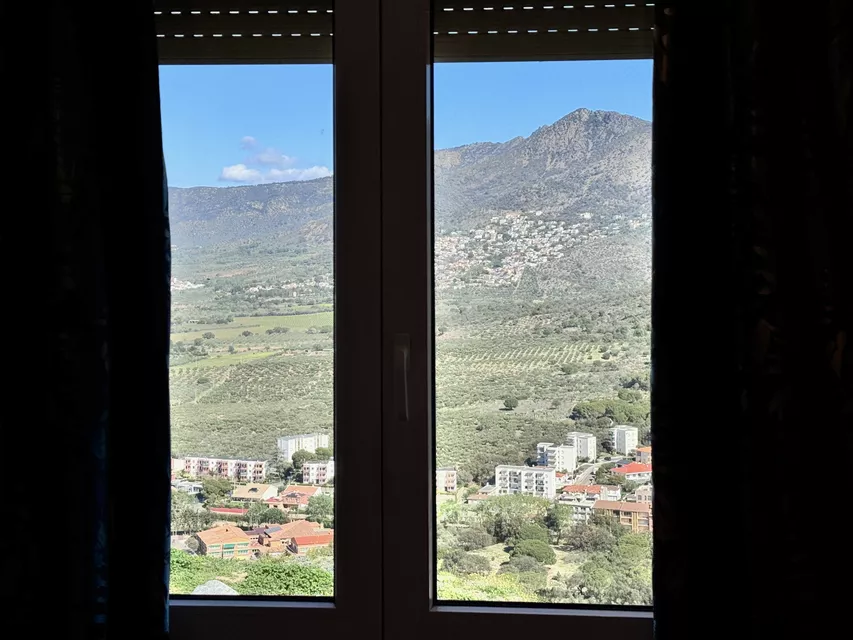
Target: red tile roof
{"points": [[327, 537], [239, 512], [644, 449], [583, 488], [294, 495], [632, 467], [293, 529]]}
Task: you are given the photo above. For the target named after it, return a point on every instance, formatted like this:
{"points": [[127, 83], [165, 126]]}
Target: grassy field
{"points": [[258, 324]]}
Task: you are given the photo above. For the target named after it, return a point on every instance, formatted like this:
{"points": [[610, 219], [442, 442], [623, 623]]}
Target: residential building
{"points": [[645, 493], [485, 492], [591, 492], [190, 488], [624, 438], [634, 471], [293, 497], [318, 471], [582, 509], [287, 537], [288, 445], [584, 443], [445, 480], [223, 542], [634, 515], [530, 481], [235, 469], [304, 544], [254, 492], [228, 511], [644, 455], [562, 457]]}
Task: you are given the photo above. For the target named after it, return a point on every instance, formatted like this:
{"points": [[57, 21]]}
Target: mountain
{"points": [[588, 161]]}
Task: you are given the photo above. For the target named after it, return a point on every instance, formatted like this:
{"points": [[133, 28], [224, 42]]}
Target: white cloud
{"points": [[269, 165], [240, 173], [272, 158], [289, 175]]}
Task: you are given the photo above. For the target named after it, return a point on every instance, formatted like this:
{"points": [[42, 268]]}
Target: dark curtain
{"points": [[85, 249], [753, 319]]}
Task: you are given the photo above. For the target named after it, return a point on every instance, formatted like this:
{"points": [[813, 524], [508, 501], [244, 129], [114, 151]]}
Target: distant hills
{"points": [[588, 161]]}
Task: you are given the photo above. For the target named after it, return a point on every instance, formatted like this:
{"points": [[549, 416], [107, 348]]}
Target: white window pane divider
{"points": [[357, 603]]}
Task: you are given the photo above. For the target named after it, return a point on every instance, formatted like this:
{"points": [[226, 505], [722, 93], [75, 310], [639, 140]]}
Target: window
{"points": [[396, 352]]}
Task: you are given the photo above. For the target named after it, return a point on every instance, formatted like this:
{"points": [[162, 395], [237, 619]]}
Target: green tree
{"points": [[274, 577], [255, 514], [536, 549], [301, 457], [559, 521], [531, 531], [321, 508], [208, 335], [510, 403], [231, 348], [504, 516], [570, 369], [214, 489], [247, 333], [274, 516], [322, 453], [465, 563], [471, 538]]}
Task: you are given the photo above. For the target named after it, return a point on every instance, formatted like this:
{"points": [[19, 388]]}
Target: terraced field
{"points": [[259, 324]]}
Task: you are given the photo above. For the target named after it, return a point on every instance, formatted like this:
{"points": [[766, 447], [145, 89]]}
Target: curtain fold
{"points": [[85, 249], [753, 205]]}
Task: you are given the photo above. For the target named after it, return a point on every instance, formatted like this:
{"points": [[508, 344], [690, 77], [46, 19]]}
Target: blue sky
{"points": [[225, 125]]}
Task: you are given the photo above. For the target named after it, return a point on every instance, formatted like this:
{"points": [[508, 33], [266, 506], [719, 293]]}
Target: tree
{"points": [[273, 577], [274, 516], [192, 544], [208, 335], [247, 333], [531, 531], [301, 457], [321, 508], [510, 403], [230, 348], [570, 369], [559, 520], [467, 563], [537, 549], [255, 513], [504, 516], [522, 564], [215, 489], [471, 538], [322, 453]]}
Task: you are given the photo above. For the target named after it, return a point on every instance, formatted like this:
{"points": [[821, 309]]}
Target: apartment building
{"points": [[636, 516], [644, 455], [624, 438], [562, 457], [591, 492], [644, 493], [223, 542], [529, 481], [318, 471], [584, 443], [240, 470], [288, 445], [445, 480]]}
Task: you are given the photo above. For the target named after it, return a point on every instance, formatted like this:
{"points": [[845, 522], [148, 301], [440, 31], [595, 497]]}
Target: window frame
{"points": [[411, 608], [357, 602]]}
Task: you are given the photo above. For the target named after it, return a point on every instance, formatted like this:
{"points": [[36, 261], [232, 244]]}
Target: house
{"points": [[530, 481], [310, 442], [279, 538], [634, 515], [223, 542], [585, 443], [304, 544], [644, 455], [591, 492], [485, 492], [582, 508], [293, 497], [644, 493], [254, 492], [318, 471], [634, 471], [624, 438], [445, 479], [190, 488]]}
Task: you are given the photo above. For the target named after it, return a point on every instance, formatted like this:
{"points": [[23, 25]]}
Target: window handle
{"points": [[402, 353]]}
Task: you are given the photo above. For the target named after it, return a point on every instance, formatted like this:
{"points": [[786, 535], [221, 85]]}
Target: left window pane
{"points": [[249, 153]]}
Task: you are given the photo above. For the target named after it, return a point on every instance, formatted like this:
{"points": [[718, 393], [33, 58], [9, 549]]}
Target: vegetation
{"points": [[321, 508], [536, 549]]}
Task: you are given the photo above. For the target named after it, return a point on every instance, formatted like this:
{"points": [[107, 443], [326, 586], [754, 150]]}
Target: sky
{"points": [[228, 125]]}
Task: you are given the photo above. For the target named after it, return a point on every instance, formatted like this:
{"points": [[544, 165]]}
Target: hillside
{"points": [[588, 161]]}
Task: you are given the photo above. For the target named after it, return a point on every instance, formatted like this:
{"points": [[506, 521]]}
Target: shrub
{"points": [[273, 577], [203, 380], [208, 335], [510, 402], [521, 564], [536, 549], [532, 531], [470, 538], [467, 563]]}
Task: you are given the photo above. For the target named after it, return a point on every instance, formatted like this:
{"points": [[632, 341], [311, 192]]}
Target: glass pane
{"points": [[249, 160], [542, 316]]}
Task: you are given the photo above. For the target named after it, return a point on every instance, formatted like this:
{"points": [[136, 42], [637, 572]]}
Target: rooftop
{"points": [[632, 507], [239, 512], [293, 529], [253, 490], [218, 535], [632, 467]]}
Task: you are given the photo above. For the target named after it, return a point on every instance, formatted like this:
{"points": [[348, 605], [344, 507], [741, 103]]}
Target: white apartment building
{"points": [[445, 480], [318, 471], [288, 445], [582, 508], [624, 438], [529, 481], [562, 457], [584, 443], [242, 470]]}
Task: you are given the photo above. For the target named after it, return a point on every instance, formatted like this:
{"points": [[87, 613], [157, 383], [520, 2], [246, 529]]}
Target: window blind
{"points": [[244, 31], [480, 30]]}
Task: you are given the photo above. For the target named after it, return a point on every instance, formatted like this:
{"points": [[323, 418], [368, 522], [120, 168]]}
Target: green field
{"points": [[258, 324]]}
